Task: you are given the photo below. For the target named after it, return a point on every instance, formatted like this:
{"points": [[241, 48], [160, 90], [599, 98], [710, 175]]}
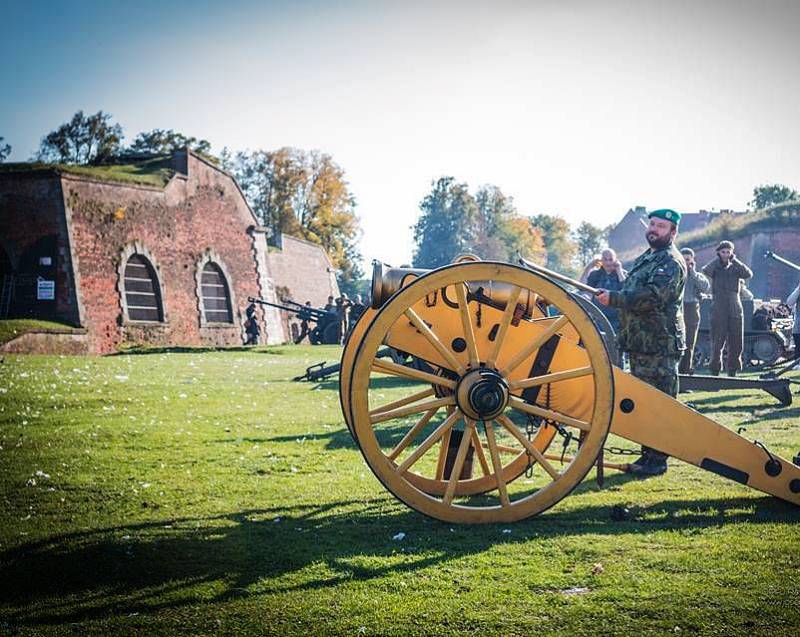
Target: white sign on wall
{"points": [[45, 290]]}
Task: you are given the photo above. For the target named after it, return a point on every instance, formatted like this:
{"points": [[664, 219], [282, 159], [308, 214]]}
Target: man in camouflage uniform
{"points": [[651, 318], [727, 276]]}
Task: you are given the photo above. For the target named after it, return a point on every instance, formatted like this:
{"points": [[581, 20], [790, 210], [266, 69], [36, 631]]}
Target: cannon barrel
{"points": [[387, 280], [769, 254], [314, 314]]}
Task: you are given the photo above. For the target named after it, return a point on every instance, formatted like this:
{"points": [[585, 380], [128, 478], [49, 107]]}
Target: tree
{"points": [[494, 211], [768, 195], [5, 149], [521, 238], [448, 225], [558, 244], [502, 233], [165, 142], [85, 139], [304, 194], [589, 241]]}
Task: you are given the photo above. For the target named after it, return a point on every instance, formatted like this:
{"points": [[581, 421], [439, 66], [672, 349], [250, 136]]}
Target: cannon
{"points": [[516, 372], [769, 254], [326, 328]]}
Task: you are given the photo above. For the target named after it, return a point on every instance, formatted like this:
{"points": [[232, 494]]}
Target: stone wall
{"points": [[301, 271], [48, 343]]}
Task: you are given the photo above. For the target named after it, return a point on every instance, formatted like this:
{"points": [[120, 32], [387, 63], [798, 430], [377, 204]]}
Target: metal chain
{"points": [[619, 451], [531, 429]]}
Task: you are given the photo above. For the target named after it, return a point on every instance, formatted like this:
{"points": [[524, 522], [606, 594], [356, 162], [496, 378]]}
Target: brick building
{"points": [[170, 260]]}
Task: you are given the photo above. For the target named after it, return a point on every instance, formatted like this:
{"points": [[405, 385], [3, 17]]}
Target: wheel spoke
{"points": [[466, 324], [550, 378], [478, 446], [441, 460], [412, 409], [549, 414], [388, 367], [505, 321], [535, 344], [412, 433], [496, 464], [429, 441], [403, 401], [458, 465], [537, 455], [426, 331]]}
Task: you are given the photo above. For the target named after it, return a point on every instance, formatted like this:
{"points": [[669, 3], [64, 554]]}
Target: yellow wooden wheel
{"points": [[504, 377]]}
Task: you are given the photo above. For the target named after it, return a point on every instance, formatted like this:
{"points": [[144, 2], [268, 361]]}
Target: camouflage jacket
{"points": [[650, 303]]}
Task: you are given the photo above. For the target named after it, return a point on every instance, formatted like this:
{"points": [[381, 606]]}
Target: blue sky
{"points": [[578, 108]]}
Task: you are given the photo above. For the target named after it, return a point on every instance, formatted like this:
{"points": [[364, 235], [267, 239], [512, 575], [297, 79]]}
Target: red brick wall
{"points": [[176, 231], [31, 207]]}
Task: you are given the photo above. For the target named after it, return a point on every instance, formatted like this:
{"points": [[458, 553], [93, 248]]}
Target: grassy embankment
{"points": [[11, 328], [152, 172], [204, 493]]}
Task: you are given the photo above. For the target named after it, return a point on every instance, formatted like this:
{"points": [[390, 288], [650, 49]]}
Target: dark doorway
{"points": [[35, 290]]}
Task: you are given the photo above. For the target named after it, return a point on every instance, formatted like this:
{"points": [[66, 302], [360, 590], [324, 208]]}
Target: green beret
{"points": [[666, 213]]}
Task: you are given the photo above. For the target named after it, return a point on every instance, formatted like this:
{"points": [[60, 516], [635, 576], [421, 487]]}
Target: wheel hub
{"points": [[482, 394]]}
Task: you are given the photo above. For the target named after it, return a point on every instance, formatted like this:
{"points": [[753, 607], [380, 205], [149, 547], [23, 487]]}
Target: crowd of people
{"points": [[654, 310], [723, 280]]}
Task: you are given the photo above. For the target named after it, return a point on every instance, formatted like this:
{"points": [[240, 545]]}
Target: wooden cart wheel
{"points": [[491, 355]]}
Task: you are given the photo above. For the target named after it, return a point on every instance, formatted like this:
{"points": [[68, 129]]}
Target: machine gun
{"points": [[516, 367], [326, 329]]}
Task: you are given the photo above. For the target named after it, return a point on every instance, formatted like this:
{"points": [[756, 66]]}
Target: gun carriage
{"points": [[514, 365]]}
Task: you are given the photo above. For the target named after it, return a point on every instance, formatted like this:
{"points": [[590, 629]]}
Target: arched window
{"points": [[216, 295], [142, 292]]}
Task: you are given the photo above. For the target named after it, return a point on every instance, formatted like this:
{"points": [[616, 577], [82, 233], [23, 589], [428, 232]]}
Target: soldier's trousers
{"points": [[691, 320], [727, 329], [660, 371]]}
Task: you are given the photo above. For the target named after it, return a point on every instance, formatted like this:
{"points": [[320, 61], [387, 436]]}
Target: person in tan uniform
{"points": [[726, 274], [696, 287]]}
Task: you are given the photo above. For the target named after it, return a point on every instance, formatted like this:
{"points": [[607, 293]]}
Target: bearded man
{"points": [[651, 318]]}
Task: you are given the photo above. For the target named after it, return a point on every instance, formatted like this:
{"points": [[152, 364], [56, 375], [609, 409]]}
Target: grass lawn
{"points": [[204, 493]]}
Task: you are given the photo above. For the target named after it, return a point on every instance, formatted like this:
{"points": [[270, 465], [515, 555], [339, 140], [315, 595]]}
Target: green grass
{"points": [[203, 493], [11, 328], [152, 172]]}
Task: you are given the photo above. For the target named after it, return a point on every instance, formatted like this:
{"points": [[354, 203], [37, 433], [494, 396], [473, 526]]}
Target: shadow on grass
{"points": [[177, 349], [148, 567]]}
